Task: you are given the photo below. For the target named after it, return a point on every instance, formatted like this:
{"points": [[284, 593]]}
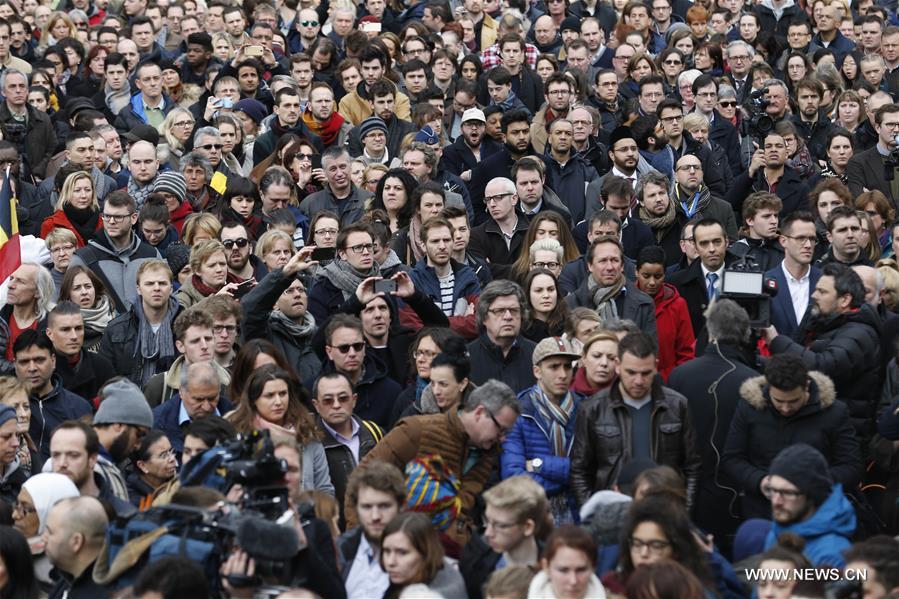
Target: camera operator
{"points": [[768, 170]]}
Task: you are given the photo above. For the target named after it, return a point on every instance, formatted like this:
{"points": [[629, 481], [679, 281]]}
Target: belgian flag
{"points": [[10, 248]]}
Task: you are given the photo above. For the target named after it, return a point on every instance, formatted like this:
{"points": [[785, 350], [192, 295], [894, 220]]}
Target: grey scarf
{"points": [[345, 277], [117, 100], [97, 318], [139, 194], [305, 329], [604, 297], [154, 348]]}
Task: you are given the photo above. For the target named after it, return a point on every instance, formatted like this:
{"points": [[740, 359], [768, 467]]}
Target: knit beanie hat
{"points": [[171, 182], [7, 413], [427, 136], [122, 402], [177, 255], [372, 123], [805, 467], [252, 108]]}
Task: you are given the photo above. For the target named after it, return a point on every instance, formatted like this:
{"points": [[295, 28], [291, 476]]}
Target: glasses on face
{"points": [[654, 546], [548, 265], [803, 240], [241, 242], [326, 232], [673, 63], [672, 119], [558, 92], [63, 249], [424, 354], [689, 167], [309, 23], [224, 328], [362, 248], [502, 311], [116, 218], [346, 347], [208, 147], [502, 431], [499, 526], [497, 198], [184, 124], [769, 492], [728, 104], [339, 400], [305, 157]]}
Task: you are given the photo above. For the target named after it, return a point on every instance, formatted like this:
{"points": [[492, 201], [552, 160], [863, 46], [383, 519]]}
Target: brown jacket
{"points": [[440, 434]]}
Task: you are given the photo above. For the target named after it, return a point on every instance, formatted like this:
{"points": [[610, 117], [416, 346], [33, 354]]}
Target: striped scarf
{"points": [[557, 416]]}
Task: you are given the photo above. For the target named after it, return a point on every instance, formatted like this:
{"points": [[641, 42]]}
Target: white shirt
{"points": [[718, 281], [633, 178], [366, 579], [799, 291]]}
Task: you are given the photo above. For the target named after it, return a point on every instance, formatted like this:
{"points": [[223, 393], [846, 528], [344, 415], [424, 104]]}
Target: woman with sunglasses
{"points": [[671, 61]]}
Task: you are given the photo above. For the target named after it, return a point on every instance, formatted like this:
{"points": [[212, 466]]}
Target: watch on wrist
{"points": [[536, 463]]}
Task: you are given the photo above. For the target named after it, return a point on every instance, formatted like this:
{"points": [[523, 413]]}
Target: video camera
{"points": [[745, 283], [892, 161], [758, 124]]}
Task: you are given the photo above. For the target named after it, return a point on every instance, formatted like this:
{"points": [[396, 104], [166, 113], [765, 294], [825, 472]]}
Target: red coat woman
{"points": [[77, 209]]}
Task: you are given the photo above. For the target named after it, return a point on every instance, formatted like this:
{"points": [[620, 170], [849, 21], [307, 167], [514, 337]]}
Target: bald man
{"points": [[873, 282], [144, 167], [500, 238], [74, 534]]}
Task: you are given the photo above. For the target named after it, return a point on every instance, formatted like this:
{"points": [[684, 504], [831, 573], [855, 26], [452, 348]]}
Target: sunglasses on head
{"points": [[346, 347], [240, 242]]}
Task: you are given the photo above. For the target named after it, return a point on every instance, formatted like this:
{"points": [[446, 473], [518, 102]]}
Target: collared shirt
{"points": [[155, 114], [799, 289], [352, 442], [718, 281], [491, 58], [366, 578], [184, 417], [631, 178], [535, 210]]}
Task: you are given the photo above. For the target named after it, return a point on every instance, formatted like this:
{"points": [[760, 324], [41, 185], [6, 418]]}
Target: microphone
{"points": [[263, 539]]}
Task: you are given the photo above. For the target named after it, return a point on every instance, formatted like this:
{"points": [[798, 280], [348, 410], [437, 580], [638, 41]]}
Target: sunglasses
{"points": [[208, 147], [240, 242], [309, 23], [728, 104], [346, 347]]}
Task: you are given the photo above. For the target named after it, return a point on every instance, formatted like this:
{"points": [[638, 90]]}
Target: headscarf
{"points": [[46, 489]]}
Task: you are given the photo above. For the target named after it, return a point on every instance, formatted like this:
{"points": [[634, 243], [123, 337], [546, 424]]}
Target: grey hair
{"points": [[45, 289], [494, 395], [740, 44], [201, 373], [9, 72], [206, 132], [726, 91], [689, 76], [777, 83], [496, 289], [428, 152], [872, 58], [727, 322], [548, 244], [620, 325], [335, 152], [509, 185], [196, 159], [654, 177]]}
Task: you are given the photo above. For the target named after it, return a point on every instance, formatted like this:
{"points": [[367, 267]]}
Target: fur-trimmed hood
{"points": [[755, 390]]}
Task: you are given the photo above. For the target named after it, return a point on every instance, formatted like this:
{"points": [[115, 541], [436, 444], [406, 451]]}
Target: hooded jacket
{"points": [[826, 533], [758, 432], [53, 409], [674, 330], [845, 347], [116, 268]]}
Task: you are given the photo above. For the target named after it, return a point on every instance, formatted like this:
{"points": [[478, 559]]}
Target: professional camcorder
{"points": [[757, 124], [746, 283]]}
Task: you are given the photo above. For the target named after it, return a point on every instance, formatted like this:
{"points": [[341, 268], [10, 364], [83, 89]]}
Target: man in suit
{"points": [[796, 277], [868, 169], [721, 131], [701, 282], [739, 57]]}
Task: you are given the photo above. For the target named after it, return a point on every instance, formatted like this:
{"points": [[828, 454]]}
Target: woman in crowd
{"points": [[222, 48], [253, 355], [77, 209], [569, 558], [209, 263], [597, 368], [274, 248], [850, 111], [580, 325], [427, 201], [428, 343], [878, 208], [176, 129], [799, 157], [82, 286], [393, 195], [323, 229], [546, 225], [671, 63], [154, 464], [823, 198], [37, 496], [411, 553], [298, 161], [59, 26], [91, 73], [19, 580], [786, 556], [850, 68], [373, 173], [240, 204], [639, 66], [666, 579], [840, 149], [200, 226], [14, 393], [547, 64], [867, 237], [232, 143], [470, 68], [547, 310], [448, 385], [708, 58], [271, 401]]}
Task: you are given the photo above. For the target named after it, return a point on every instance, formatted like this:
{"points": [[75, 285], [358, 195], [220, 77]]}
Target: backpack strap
{"points": [[374, 429]]}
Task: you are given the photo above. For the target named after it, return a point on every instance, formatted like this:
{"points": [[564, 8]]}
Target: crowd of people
{"points": [[477, 270]]}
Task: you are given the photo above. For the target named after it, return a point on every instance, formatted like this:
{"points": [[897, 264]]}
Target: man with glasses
{"points": [[795, 275], [721, 131], [558, 97], [768, 171], [652, 92], [199, 395], [346, 437], [606, 99], [151, 105], [499, 239], [800, 404], [623, 55], [680, 143], [116, 254], [866, 170], [739, 56], [635, 418]]}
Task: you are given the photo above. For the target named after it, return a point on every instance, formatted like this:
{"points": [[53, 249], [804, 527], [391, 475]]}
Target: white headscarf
{"points": [[46, 489]]}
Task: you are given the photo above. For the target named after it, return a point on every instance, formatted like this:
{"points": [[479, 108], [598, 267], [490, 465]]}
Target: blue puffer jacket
{"points": [[425, 279], [529, 439]]}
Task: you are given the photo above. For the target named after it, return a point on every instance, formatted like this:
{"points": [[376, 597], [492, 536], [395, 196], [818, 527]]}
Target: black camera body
{"points": [[758, 124], [745, 283]]}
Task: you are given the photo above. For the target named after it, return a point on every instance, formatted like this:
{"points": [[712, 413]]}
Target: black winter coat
{"points": [[514, 369], [758, 432], [602, 440], [791, 190], [87, 376], [119, 342], [845, 347], [487, 242]]}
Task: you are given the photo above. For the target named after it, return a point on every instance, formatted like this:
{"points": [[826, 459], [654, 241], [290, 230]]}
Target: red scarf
{"points": [[327, 131], [205, 290]]}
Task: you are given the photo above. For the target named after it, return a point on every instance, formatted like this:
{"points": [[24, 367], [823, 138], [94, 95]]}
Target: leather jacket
{"points": [[602, 441]]}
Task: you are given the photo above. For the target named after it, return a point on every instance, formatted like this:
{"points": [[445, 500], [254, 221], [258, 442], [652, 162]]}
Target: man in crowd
{"points": [[813, 126], [471, 147], [356, 105], [82, 372], [501, 238], [287, 120], [34, 137], [74, 538], [866, 169], [567, 173], [198, 396], [148, 107], [437, 275], [515, 127], [28, 299], [557, 102], [796, 277], [878, 556], [843, 233], [534, 196], [759, 243], [341, 196], [383, 106], [241, 261]]}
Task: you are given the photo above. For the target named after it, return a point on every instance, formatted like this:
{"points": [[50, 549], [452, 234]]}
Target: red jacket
{"points": [[677, 344], [180, 215], [59, 219]]}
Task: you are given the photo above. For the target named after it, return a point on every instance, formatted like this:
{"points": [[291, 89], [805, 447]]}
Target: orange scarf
{"points": [[327, 131]]}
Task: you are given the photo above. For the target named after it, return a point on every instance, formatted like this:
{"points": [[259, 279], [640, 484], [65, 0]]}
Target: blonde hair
{"points": [[60, 235], [69, 185], [51, 21], [890, 282], [9, 386], [600, 335], [521, 496], [267, 242], [220, 36], [169, 123], [200, 222], [203, 250]]}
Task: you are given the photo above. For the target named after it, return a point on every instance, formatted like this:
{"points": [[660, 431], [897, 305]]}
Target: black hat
{"points": [[143, 133], [572, 23], [178, 256], [201, 38], [805, 467], [622, 132], [76, 105]]}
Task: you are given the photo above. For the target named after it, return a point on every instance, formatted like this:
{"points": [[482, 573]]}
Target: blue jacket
{"points": [[783, 316], [529, 439], [425, 279], [827, 533], [166, 414]]}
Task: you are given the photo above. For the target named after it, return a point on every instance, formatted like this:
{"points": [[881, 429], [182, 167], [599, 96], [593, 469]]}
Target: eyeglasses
{"points": [[208, 147], [307, 157], [309, 23], [326, 232], [362, 248], [654, 546], [499, 526], [62, 249], [340, 399], [240, 242], [672, 119], [549, 265], [184, 124], [498, 198], [346, 347], [673, 63], [502, 311], [802, 239], [423, 353], [559, 92], [502, 431], [224, 328], [116, 218], [769, 492], [690, 167]]}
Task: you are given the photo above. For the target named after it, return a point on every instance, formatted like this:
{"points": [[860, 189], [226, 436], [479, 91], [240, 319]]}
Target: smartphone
{"points": [[243, 288], [386, 286], [227, 103], [322, 254], [316, 160], [254, 51]]}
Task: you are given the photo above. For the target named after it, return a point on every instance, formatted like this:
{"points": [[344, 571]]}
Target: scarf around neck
{"points": [[117, 100], [346, 278], [140, 194], [658, 224], [205, 290], [556, 416], [604, 297], [301, 330], [84, 220], [156, 348], [327, 131], [691, 204], [98, 317]]}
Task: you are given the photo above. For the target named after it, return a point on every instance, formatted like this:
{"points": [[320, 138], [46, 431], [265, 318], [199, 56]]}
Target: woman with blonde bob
{"points": [[275, 248], [14, 393], [77, 209], [200, 226], [599, 359], [209, 263], [59, 26], [176, 129]]}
